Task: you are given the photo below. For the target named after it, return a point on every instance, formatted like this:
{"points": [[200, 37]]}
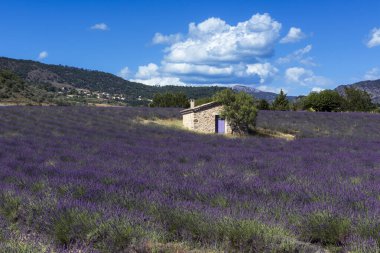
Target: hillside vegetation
{"points": [[58, 76], [14, 90]]}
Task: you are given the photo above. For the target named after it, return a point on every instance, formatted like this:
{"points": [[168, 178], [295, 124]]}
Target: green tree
{"points": [[281, 103], [201, 101], [357, 100], [324, 101], [239, 109], [169, 99], [263, 105]]}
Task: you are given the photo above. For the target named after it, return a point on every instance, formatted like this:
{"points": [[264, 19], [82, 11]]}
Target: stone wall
{"points": [[188, 120], [204, 120]]}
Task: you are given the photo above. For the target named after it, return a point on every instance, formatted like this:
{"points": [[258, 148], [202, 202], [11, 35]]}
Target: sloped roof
{"points": [[200, 107]]}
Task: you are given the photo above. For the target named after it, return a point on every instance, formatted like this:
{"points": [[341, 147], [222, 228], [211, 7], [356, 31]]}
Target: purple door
{"points": [[221, 126]]}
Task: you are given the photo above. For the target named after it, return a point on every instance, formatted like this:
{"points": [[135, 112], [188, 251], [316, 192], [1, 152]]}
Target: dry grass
{"points": [[274, 134], [104, 105], [177, 123], [172, 123], [176, 247]]}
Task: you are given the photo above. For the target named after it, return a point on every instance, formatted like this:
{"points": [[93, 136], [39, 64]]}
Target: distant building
{"points": [[205, 118]]}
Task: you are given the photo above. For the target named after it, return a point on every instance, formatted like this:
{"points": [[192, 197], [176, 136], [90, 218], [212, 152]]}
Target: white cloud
{"points": [[317, 89], [294, 35], [300, 56], [187, 68], [214, 41], [100, 26], [214, 52], [372, 74], [161, 81], [147, 72], [297, 75], [43, 55], [166, 39], [374, 38], [264, 71], [124, 73], [305, 77]]}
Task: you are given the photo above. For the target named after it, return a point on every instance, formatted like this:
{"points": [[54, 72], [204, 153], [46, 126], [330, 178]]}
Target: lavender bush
{"points": [[95, 180]]}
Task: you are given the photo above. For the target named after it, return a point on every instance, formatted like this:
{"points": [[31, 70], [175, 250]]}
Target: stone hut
{"points": [[205, 118]]}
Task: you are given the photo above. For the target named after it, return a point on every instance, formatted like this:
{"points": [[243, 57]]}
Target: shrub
{"points": [[236, 235], [116, 236], [10, 206], [254, 236], [186, 225], [73, 225], [325, 228], [19, 247], [370, 229]]}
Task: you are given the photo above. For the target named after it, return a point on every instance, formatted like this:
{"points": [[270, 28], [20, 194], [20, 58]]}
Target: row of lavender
{"points": [[322, 124], [95, 179]]}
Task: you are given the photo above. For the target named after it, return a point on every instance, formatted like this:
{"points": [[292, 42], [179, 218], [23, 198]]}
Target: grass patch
{"points": [[115, 236], [15, 246], [73, 225], [264, 132], [10, 206], [326, 229], [230, 234]]}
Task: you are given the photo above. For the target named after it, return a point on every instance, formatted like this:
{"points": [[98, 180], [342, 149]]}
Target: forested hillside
{"points": [[13, 89], [59, 76]]}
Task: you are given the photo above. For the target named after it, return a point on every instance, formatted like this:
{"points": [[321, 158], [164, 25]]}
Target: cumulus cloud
{"points": [[317, 89], [215, 52], [100, 26], [305, 77], [124, 73], [147, 71], [294, 35], [166, 39], [300, 55], [264, 71], [214, 41], [43, 55], [374, 38], [372, 74], [161, 81], [198, 69]]}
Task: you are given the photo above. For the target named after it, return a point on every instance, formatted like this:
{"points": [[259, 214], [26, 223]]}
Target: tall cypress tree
{"points": [[281, 102]]}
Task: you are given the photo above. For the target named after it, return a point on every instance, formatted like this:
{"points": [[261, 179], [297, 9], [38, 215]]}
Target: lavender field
{"points": [[81, 179], [322, 124]]}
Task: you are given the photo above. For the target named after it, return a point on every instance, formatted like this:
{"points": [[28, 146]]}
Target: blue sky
{"points": [[295, 45]]}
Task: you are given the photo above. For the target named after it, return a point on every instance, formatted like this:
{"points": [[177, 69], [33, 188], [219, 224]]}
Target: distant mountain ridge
{"points": [[371, 87]]}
